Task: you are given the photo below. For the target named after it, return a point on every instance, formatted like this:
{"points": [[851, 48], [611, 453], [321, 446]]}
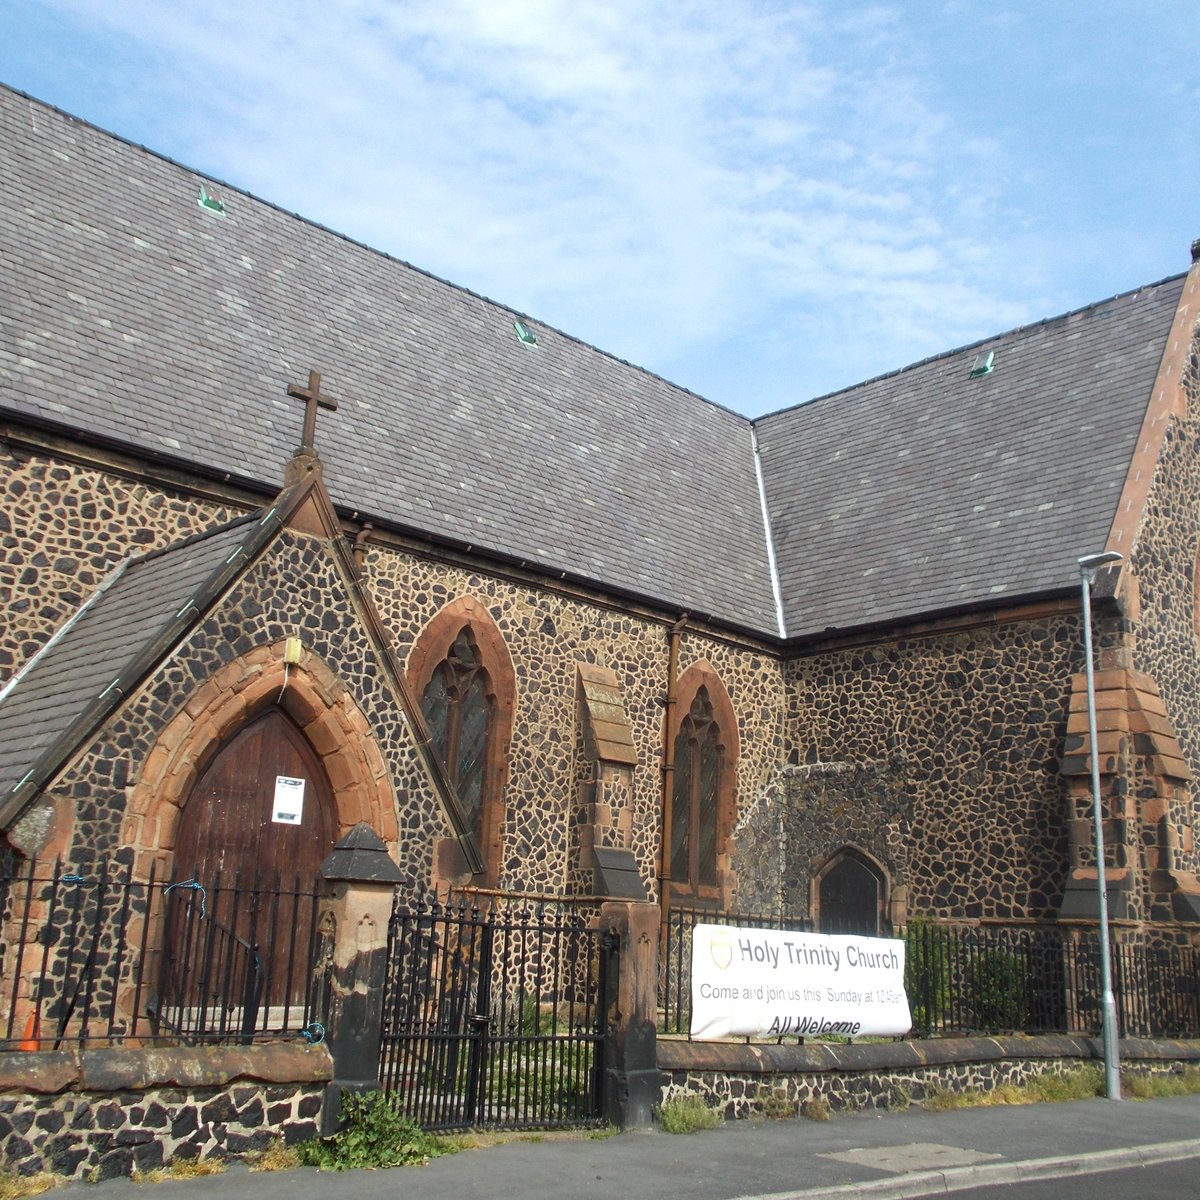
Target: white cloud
{"points": [[654, 177]]}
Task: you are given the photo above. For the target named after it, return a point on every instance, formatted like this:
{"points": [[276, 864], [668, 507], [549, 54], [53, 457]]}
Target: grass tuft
{"points": [[181, 1168], [1157, 1087], [776, 1106], [14, 1187], [278, 1156], [686, 1114]]}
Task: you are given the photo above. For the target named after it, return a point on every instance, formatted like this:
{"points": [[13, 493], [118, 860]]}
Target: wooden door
{"points": [[849, 898], [258, 871], [228, 822]]}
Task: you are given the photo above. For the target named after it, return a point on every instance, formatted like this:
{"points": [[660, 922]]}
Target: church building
{"points": [[297, 536]]}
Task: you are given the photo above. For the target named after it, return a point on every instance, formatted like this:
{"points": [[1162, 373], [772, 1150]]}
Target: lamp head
{"points": [[1089, 562]]}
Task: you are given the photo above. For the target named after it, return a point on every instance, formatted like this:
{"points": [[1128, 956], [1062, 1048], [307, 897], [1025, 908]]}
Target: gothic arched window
{"points": [[694, 804], [458, 711], [702, 786], [461, 672]]}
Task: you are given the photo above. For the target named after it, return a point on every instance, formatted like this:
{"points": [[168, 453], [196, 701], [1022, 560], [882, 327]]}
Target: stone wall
{"points": [[547, 633], [755, 1080], [63, 528], [76, 522], [95, 1114], [292, 590], [940, 752], [1166, 595], [936, 754]]}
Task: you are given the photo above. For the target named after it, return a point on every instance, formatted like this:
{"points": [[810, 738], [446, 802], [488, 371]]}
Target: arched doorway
{"points": [[850, 895], [230, 823], [253, 831]]}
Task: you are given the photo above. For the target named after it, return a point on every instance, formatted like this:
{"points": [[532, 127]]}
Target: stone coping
{"points": [[764, 1059], [136, 1069]]}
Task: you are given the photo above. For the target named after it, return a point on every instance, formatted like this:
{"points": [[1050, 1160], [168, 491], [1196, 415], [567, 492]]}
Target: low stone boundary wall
{"points": [[747, 1080], [95, 1114]]}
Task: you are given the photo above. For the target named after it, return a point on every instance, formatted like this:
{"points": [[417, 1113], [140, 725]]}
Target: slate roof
{"points": [[96, 660], [928, 490], [133, 314]]}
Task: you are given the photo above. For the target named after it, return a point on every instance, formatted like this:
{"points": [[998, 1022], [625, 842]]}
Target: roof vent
{"points": [[525, 333], [983, 364], [210, 203]]}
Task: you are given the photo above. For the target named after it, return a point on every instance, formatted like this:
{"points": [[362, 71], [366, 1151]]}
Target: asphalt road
{"points": [[1166, 1181]]}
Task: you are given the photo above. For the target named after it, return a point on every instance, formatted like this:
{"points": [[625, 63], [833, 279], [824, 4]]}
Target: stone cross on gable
{"points": [[313, 399]]}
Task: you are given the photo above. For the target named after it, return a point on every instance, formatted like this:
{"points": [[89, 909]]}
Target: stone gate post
{"points": [[632, 1081], [358, 881]]}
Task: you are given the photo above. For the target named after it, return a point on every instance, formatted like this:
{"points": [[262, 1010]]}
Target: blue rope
{"points": [[192, 885], [72, 879], [313, 1033]]}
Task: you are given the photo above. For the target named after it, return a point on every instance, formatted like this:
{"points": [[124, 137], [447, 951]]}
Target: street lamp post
{"points": [[1088, 565]]}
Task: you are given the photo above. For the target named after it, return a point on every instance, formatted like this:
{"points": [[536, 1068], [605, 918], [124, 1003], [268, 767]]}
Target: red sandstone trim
{"points": [[1167, 400], [429, 650]]}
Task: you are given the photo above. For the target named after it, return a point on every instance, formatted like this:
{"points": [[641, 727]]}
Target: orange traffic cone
{"points": [[33, 1033]]}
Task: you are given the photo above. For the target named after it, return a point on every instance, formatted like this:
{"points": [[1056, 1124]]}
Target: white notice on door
{"points": [[289, 800]]}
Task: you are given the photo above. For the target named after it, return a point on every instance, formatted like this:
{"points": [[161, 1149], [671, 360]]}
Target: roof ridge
{"points": [[983, 341], [345, 237]]}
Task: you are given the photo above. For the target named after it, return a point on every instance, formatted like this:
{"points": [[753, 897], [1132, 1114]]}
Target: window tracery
{"points": [[702, 799]]}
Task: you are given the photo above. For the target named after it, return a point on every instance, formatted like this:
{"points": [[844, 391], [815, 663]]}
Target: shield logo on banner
{"points": [[721, 949]]}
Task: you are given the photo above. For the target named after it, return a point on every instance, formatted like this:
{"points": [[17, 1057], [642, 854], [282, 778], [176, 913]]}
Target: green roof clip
{"points": [[983, 364], [210, 203], [525, 333]]}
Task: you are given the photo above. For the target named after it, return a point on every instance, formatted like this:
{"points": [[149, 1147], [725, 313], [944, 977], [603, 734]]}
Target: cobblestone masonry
{"points": [[952, 742], [97, 1136], [77, 521], [1167, 628], [957, 1067], [63, 528], [105, 1112], [292, 590], [546, 635], [935, 754]]}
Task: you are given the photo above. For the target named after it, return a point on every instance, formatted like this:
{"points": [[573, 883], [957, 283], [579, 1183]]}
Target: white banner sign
{"points": [[766, 983], [289, 801]]}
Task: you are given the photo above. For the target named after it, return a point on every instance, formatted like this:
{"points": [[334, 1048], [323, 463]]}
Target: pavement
{"points": [[878, 1156]]}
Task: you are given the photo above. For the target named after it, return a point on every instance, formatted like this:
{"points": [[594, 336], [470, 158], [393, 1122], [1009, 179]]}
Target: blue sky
{"points": [[761, 201]]}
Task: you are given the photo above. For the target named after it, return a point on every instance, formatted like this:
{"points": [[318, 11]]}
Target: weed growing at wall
{"points": [[776, 1106], [376, 1135], [278, 1156], [1152, 1087], [15, 1187], [180, 1168], [1084, 1083], [686, 1114]]}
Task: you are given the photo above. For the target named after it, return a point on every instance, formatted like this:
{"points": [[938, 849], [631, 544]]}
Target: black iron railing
{"points": [[493, 1014], [992, 979], [92, 956], [1046, 979]]}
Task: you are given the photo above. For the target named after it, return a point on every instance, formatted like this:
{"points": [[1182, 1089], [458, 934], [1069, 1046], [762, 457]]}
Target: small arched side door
{"points": [[850, 895]]}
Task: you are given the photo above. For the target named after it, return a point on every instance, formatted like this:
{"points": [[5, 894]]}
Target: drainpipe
{"points": [[360, 544], [668, 765]]}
